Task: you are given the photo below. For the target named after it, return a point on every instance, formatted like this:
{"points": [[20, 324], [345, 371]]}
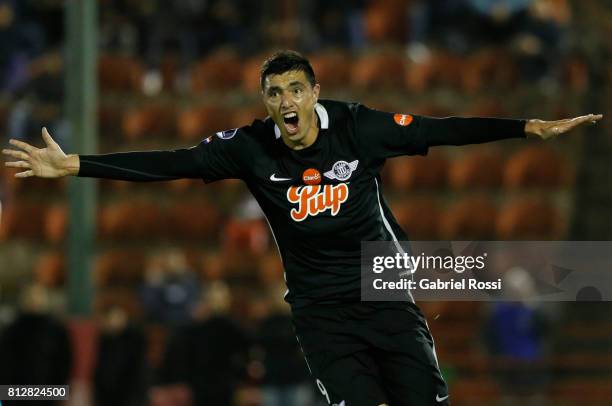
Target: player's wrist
{"points": [[71, 165], [533, 128]]}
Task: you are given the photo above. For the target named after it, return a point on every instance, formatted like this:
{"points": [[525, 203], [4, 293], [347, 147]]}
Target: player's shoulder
{"points": [[247, 135], [339, 110]]}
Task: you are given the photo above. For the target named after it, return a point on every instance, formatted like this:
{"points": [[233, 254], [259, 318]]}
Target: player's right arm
{"points": [[210, 163]]}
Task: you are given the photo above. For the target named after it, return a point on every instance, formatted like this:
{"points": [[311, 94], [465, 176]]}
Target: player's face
{"points": [[290, 100]]}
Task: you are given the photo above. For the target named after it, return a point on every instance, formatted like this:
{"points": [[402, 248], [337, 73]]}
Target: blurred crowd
{"points": [[189, 286]]}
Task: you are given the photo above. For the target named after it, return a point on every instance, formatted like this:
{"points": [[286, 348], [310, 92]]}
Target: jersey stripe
{"points": [[390, 230]]}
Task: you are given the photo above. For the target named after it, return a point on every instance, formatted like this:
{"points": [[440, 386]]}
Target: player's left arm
{"points": [[476, 130]]}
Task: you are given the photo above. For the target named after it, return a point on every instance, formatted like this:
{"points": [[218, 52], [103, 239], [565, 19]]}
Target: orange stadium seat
{"points": [[195, 219], [409, 173], [470, 219], [246, 236], [489, 67], [22, 219], [123, 297], [332, 69], [376, 71], [218, 71], [250, 74], [119, 268], [200, 122], [536, 166], [117, 72], [477, 168], [529, 218], [385, 21], [245, 115], [470, 391], [419, 217], [129, 219], [56, 223], [149, 121], [271, 270], [50, 269]]}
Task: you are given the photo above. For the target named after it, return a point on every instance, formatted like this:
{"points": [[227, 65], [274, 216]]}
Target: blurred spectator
{"points": [[39, 102], [35, 348], [516, 334], [171, 289], [210, 354], [285, 377], [120, 369], [21, 39]]}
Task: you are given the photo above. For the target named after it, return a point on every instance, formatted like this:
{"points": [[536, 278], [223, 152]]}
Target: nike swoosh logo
{"points": [[273, 178], [440, 399]]}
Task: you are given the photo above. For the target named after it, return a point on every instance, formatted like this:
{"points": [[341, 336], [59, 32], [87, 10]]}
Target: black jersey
{"points": [[322, 201]]}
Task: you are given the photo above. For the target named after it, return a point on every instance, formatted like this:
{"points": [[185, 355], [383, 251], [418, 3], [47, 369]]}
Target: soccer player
{"points": [[314, 167]]}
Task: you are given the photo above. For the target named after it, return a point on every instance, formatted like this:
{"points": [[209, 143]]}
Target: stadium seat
{"points": [[419, 217], [129, 219], [197, 123], [217, 72], [378, 71], [148, 121], [195, 219], [244, 238], [488, 67], [529, 218], [271, 270], [472, 218], [245, 115], [119, 268], [332, 69], [409, 173], [476, 169], [56, 223], [536, 167], [116, 72], [470, 391], [22, 219], [50, 269], [385, 21], [251, 69]]}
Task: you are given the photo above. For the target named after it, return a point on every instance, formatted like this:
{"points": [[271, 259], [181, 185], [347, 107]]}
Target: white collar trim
{"points": [[323, 119]]}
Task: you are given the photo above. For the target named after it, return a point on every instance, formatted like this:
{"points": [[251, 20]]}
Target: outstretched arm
{"points": [[462, 131], [52, 162]]}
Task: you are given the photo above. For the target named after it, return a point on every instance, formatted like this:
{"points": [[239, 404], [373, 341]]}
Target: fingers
{"points": [[25, 174], [18, 164], [47, 137], [16, 154], [23, 145]]}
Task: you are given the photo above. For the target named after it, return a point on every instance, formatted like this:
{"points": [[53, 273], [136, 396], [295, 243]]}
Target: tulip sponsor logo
{"points": [[315, 199]]}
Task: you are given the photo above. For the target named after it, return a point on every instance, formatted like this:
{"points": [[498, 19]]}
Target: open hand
{"points": [[49, 162], [550, 129]]}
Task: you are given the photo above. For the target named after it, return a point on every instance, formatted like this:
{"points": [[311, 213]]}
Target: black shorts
{"points": [[370, 353]]}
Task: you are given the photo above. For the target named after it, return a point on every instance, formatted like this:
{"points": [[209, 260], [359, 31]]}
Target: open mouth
{"points": [[291, 121]]}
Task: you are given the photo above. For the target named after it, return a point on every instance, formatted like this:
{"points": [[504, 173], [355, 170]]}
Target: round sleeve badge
{"points": [[402, 119]]}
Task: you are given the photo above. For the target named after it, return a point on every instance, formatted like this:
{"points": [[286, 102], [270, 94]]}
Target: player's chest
{"points": [[305, 188]]}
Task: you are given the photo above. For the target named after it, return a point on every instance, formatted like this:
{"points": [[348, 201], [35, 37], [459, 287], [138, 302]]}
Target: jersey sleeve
{"points": [[221, 156], [385, 135]]}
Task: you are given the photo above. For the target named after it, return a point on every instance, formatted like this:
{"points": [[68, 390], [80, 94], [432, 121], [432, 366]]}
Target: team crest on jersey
{"points": [[342, 170], [227, 134], [315, 199]]}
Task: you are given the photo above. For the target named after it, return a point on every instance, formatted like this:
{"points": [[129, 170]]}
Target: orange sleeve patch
{"points": [[402, 119]]}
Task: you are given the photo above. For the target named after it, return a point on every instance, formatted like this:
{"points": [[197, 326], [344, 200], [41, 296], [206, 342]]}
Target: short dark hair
{"points": [[286, 61]]}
